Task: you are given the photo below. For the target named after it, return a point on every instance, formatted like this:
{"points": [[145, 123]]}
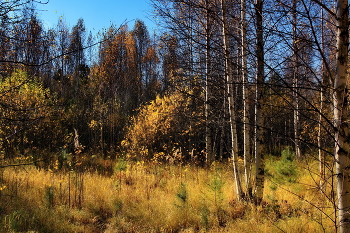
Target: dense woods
{"points": [[244, 83]]}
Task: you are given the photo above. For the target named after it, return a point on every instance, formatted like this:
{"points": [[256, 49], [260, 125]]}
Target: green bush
{"points": [[284, 170]]}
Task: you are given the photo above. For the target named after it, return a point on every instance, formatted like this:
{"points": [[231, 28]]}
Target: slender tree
{"points": [[231, 101], [142, 42], [246, 115], [76, 52], [320, 118], [208, 133], [259, 121], [62, 44], [342, 117], [296, 111]]}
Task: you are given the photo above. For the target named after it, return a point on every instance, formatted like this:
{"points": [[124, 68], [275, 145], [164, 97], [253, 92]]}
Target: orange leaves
{"points": [[151, 55]]}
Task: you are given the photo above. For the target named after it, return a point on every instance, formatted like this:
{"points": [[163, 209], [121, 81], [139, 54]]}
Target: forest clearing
{"points": [[233, 116], [153, 197]]}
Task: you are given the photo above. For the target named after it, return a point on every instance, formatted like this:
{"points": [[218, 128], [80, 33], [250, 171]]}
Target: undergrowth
{"points": [[151, 197]]}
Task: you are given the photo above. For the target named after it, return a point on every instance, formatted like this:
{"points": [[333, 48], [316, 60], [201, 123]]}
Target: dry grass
{"points": [[140, 197]]}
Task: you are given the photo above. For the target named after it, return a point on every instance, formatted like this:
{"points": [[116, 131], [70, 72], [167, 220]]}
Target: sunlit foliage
{"points": [[25, 108], [160, 128]]}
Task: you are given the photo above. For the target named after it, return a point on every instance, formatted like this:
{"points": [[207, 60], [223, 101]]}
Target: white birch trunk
{"points": [[296, 113], [342, 117], [231, 102], [246, 122], [319, 142]]}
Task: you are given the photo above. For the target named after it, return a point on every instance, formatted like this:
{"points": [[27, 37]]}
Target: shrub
{"points": [[159, 128], [283, 170]]}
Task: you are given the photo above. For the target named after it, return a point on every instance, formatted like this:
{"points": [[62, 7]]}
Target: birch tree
{"points": [[296, 112], [320, 118], [246, 120], [342, 117], [231, 102]]}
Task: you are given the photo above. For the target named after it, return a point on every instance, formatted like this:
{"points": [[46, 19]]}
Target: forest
{"points": [[232, 117]]}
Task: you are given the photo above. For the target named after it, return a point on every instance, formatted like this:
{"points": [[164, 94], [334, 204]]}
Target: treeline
{"points": [[102, 90], [261, 72], [63, 88]]}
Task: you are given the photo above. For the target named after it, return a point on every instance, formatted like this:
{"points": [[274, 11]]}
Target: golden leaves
{"points": [[154, 125], [24, 102]]}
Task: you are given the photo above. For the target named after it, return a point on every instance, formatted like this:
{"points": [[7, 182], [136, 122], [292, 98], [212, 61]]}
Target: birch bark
{"points": [[231, 102], [246, 121], [296, 114], [342, 117], [320, 117]]}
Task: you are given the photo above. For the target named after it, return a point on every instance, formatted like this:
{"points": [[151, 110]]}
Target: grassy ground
{"points": [[140, 197]]}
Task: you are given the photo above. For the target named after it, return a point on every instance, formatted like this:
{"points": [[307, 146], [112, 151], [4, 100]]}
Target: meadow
{"points": [[126, 196]]}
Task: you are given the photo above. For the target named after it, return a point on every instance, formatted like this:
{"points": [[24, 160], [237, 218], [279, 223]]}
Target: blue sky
{"points": [[97, 14]]}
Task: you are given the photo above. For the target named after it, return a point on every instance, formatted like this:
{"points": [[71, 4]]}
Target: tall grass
{"points": [[151, 197]]}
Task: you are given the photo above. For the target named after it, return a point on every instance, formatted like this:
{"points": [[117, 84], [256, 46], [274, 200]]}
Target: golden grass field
{"points": [[153, 197]]}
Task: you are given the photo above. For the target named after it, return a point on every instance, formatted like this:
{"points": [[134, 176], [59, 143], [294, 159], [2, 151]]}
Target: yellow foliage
{"points": [[93, 124], [24, 102], [156, 125]]}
